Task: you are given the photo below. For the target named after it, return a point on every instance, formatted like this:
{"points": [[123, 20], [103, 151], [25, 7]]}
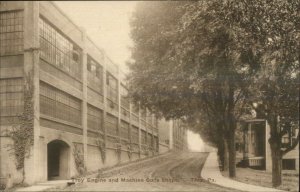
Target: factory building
{"points": [[66, 98]]}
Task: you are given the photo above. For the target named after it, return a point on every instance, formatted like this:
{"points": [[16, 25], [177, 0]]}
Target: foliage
{"points": [[78, 158], [22, 132], [193, 54], [130, 150], [119, 151], [214, 59], [148, 74], [102, 148], [270, 32]]}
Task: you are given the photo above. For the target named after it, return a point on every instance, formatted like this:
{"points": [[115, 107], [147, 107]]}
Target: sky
{"points": [[195, 143], [107, 24]]}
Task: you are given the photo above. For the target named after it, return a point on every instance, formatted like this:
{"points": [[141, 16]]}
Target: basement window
{"points": [[288, 164]]}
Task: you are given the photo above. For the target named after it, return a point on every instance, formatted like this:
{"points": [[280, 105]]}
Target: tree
{"points": [[271, 33], [210, 131], [214, 54], [184, 57]]}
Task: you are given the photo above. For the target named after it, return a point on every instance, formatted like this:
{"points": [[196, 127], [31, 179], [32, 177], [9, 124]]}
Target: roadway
{"points": [[172, 172]]}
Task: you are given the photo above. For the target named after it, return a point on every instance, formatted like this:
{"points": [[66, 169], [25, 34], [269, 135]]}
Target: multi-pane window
{"points": [[155, 130], [111, 125], [144, 137], [135, 118], [59, 126], [148, 128], [148, 117], [124, 130], [60, 105], [134, 134], [135, 113], [124, 98], [95, 119], [94, 67], [112, 88], [143, 114], [152, 119], [95, 75], [59, 51], [125, 106], [155, 120], [149, 140], [11, 32], [112, 67], [155, 143], [135, 109], [11, 100]]}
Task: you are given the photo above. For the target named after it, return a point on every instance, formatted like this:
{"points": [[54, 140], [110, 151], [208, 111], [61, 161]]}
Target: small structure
{"points": [[256, 148], [172, 135]]}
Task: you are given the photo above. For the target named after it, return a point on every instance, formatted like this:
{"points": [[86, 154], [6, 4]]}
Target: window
{"points": [[59, 126], [11, 100], [288, 164], [11, 32], [134, 134], [155, 143], [112, 88], [95, 75], [124, 98], [134, 118], [95, 119], [144, 137], [135, 109], [124, 112], [59, 51], [111, 125], [94, 68], [150, 141], [135, 113], [60, 105], [124, 130], [143, 114]]}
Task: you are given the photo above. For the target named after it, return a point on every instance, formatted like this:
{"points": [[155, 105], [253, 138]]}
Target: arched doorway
{"points": [[58, 160]]}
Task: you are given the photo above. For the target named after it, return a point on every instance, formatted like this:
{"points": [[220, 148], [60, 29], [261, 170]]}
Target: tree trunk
{"points": [[231, 127], [225, 156], [276, 169], [276, 163], [221, 155], [231, 153], [275, 144]]}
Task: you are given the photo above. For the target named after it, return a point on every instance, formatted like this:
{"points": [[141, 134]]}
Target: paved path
{"points": [[186, 171], [211, 172], [173, 172]]}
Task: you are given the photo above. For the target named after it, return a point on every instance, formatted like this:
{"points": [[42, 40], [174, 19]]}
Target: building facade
{"points": [[256, 148], [179, 135], [172, 135], [67, 94]]}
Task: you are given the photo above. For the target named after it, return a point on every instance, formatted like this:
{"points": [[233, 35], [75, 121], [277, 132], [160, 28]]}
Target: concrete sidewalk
{"points": [[46, 186], [212, 173]]}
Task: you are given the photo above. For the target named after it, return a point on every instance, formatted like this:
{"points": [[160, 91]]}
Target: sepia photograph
{"points": [[164, 96]]}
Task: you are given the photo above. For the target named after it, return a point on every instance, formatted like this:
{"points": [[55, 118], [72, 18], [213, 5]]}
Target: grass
{"points": [[290, 179]]}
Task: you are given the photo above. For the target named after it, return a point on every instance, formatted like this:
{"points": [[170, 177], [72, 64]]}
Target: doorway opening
{"points": [[58, 160]]}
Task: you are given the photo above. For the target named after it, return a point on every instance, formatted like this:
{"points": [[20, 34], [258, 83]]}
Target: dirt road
{"points": [[173, 172]]}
